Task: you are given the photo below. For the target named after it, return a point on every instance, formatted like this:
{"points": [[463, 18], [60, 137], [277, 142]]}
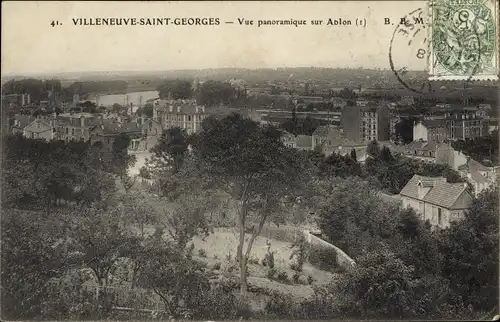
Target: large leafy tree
{"points": [[249, 163], [352, 216], [176, 89], [214, 92], [31, 256], [169, 152], [470, 249]]}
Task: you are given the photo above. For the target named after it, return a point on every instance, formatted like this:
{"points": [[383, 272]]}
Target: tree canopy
{"points": [[176, 89]]}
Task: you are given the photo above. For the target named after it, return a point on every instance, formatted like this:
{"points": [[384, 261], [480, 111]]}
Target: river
{"points": [[136, 98]]}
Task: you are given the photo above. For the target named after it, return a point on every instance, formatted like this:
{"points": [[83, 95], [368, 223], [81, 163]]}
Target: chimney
{"points": [[196, 109]]}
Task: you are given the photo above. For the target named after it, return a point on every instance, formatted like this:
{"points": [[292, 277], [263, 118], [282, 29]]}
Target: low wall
{"points": [[343, 260]]}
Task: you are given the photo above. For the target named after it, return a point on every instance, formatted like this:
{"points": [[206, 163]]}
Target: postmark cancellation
{"points": [[463, 38]]}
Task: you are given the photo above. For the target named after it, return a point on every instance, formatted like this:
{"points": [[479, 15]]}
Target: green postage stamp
{"points": [[463, 38]]}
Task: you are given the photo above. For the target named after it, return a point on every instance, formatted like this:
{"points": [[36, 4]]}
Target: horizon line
{"points": [[25, 74]]}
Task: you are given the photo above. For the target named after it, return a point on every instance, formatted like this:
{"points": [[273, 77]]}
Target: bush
{"points": [[221, 304], [323, 258], [269, 260], [282, 276], [217, 266], [282, 306], [144, 172], [310, 279], [295, 278], [271, 273], [202, 253], [253, 260]]}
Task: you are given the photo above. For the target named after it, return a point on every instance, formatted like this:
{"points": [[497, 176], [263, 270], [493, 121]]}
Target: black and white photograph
{"points": [[249, 160]]}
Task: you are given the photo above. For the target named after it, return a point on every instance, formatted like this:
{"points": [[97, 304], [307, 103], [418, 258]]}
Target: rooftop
{"points": [[441, 193]]}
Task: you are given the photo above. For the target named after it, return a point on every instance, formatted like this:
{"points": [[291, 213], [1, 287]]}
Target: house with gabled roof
{"points": [[478, 175], [39, 129], [436, 200], [107, 131]]}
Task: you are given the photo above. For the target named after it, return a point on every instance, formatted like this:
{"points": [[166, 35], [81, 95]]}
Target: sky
{"points": [[31, 45]]}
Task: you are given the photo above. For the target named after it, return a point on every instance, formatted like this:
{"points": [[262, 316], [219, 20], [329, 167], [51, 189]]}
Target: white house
{"points": [[436, 200]]}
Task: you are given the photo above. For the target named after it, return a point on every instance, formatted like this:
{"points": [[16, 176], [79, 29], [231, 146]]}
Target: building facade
{"points": [[107, 131], [39, 129], [430, 130], [366, 123], [466, 126], [436, 200], [74, 126]]}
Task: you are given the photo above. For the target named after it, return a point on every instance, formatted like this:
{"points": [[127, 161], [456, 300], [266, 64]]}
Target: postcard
{"points": [[250, 160]]}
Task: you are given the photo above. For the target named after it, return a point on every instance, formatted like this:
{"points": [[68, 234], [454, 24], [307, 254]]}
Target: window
{"points": [[189, 117], [439, 217]]}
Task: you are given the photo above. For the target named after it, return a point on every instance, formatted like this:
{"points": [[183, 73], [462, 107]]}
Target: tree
{"points": [[352, 216], [122, 160], [175, 89], [404, 129], [169, 152], [148, 110], [383, 286], [88, 107], [340, 166], [353, 155], [213, 93], [31, 257], [98, 238], [373, 149], [179, 280], [250, 164], [470, 249]]}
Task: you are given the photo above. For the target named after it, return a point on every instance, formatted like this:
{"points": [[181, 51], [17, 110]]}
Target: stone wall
{"points": [[343, 260]]}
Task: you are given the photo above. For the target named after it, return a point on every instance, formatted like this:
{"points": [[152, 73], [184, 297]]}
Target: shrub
{"points": [[310, 279], [202, 253], [282, 276], [221, 304], [253, 260], [271, 273], [269, 260], [144, 172], [295, 278], [217, 266], [323, 258], [282, 306]]}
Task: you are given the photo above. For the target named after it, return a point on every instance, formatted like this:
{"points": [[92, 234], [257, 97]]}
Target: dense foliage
{"points": [[175, 89], [483, 149]]}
